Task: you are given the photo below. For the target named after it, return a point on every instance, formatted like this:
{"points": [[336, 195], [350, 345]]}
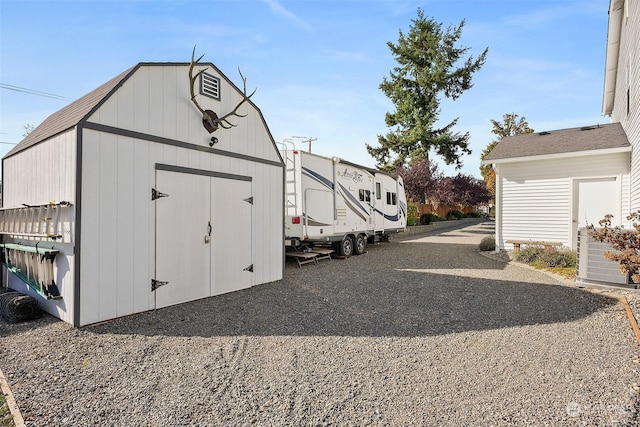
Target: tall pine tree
{"points": [[429, 65]]}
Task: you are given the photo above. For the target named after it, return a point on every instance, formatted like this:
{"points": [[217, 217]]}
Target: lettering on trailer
{"points": [[353, 175]]}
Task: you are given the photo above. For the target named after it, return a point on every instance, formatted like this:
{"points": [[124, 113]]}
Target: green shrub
{"points": [[428, 218], [487, 244], [472, 215], [558, 258], [454, 214], [547, 257], [412, 220], [530, 254]]}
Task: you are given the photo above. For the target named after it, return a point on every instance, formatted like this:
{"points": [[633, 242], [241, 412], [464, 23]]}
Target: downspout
{"points": [[498, 207], [616, 10]]}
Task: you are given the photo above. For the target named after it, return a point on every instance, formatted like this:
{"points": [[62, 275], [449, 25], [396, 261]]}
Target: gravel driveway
{"points": [[424, 330]]}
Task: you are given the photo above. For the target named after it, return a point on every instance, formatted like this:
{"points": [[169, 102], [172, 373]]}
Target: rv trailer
{"points": [[330, 201]]}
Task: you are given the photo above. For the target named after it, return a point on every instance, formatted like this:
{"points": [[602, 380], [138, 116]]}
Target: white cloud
{"points": [[278, 9]]}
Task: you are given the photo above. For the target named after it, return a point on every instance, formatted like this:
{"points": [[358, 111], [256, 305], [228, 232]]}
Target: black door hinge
{"points": [[155, 194], [155, 284], [250, 268]]}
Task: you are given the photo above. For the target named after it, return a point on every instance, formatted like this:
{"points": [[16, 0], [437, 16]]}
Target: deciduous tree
{"points": [[430, 65], [511, 125]]}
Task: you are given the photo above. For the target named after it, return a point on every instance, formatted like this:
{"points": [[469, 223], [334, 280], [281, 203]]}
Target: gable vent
{"points": [[210, 86]]}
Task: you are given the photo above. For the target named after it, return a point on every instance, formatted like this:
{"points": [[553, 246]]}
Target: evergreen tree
{"points": [[429, 65]]}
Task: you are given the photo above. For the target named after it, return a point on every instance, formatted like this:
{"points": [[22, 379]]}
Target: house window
{"points": [[210, 86]]}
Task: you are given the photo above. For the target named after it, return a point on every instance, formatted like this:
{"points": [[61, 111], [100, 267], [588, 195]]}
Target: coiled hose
{"points": [[18, 307]]}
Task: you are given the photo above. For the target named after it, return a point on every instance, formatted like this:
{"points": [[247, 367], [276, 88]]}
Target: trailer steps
{"points": [[312, 257]]}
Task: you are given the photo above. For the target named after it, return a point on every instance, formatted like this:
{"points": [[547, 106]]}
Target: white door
{"points": [[231, 207], [182, 254], [203, 236], [594, 198]]}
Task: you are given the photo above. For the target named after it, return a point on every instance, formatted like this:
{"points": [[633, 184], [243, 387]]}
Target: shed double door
{"points": [[203, 236]]}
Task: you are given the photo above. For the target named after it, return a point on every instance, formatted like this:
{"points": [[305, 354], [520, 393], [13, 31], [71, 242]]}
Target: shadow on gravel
{"points": [[377, 294]]}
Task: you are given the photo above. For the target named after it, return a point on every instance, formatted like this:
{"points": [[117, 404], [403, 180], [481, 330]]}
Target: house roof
{"points": [[556, 143]]}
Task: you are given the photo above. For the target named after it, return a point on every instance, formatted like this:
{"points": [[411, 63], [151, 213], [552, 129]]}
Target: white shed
{"points": [[549, 184], [150, 209]]}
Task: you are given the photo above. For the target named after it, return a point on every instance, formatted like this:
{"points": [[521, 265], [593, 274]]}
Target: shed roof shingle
{"points": [[71, 115], [589, 138]]}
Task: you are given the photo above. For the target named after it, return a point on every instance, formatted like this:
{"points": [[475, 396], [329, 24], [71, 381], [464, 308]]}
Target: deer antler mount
{"points": [[210, 120]]}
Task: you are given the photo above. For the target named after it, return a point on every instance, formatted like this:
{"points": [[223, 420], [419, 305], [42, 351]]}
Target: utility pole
{"points": [[306, 139]]}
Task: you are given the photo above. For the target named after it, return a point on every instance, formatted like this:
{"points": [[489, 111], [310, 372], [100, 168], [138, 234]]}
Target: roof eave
{"points": [[558, 155], [616, 8]]}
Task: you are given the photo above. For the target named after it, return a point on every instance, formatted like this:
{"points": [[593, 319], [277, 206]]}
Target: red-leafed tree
{"points": [[420, 178], [470, 191]]}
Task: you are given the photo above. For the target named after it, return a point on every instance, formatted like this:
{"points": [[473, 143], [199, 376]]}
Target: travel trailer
{"points": [[330, 201]]}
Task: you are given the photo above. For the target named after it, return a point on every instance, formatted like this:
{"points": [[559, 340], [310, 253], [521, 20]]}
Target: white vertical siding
{"points": [[118, 173], [628, 78], [536, 196], [46, 173]]}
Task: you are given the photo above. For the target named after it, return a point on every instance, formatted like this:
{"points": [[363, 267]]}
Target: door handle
{"points": [[210, 228]]}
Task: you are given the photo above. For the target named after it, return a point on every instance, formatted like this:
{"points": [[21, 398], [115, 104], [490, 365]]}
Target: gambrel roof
{"points": [[82, 108], [69, 116], [560, 143]]}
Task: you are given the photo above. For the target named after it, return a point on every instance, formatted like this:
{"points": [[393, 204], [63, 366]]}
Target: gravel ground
{"points": [[424, 330]]}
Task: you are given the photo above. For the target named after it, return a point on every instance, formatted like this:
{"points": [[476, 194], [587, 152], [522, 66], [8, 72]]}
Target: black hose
{"points": [[18, 307]]}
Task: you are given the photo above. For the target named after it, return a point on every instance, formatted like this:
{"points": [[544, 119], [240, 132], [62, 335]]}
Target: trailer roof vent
{"points": [[210, 86], [544, 133]]}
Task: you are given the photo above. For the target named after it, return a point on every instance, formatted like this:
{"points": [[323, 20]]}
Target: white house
{"points": [[549, 184], [157, 210]]}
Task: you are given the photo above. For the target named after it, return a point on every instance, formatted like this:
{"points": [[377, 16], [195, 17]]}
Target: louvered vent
{"points": [[210, 86]]}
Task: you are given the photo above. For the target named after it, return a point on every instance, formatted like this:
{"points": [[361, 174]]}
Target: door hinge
{"points": [[155, 194], [249, 200], [155, 284], [250, 268]]}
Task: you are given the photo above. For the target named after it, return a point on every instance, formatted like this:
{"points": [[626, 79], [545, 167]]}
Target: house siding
{"points": [[628, 78], [536, 196]]}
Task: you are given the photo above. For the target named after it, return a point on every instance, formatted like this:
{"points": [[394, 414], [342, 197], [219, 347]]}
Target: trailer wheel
{"points": [[345, 248], [359, 244]]}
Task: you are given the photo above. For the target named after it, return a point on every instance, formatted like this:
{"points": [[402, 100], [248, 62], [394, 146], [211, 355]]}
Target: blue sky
{"points": [[316, 65]]}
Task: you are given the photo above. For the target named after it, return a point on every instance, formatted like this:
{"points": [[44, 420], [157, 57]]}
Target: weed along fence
{"points": [[174, 192]]}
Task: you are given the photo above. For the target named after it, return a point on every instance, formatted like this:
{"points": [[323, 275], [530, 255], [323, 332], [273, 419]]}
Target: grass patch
{"points": [[6, 419], [566, 272]]}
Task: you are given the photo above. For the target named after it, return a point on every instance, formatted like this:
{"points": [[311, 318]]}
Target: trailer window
{"points": [[391, 198], [361, 195], [378, 191], [367, 195]]}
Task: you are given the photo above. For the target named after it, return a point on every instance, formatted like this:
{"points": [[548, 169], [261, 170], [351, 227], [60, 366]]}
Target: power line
{"points": [[33, 92]]}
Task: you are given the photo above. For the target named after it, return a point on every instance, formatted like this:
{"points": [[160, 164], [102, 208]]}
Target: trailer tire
{"points": [[345, 247], [359, 244]]}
